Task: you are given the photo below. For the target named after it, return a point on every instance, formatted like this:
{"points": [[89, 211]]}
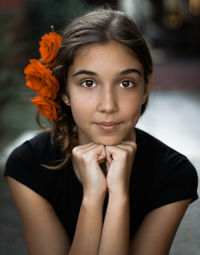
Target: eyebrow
{"points": [[126, 71], [84, 72], [131, 70]]}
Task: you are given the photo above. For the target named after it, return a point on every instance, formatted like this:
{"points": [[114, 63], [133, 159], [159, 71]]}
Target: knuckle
{"points": [[124, 153], [76, 152], [133, 146]]}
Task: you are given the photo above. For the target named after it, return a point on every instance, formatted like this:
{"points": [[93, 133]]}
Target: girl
{"points": [[95, 184]]}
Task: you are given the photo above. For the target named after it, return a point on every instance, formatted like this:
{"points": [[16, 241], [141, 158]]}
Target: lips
{"points": [[108, 126]]}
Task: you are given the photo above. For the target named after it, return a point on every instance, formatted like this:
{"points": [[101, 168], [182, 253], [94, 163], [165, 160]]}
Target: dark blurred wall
{"points": [[178, 27]]}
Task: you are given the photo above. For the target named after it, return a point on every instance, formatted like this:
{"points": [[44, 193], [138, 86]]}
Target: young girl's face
{"points": [[106, 91]]}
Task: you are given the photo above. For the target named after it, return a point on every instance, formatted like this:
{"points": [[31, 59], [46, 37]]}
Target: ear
{"points": [[65, 99], [147, 88]]}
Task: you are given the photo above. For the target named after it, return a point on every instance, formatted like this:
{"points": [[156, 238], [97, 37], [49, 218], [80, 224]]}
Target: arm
{"points": [[115, 234], [89, 227], [157, 231], [44, 233], [86, 159], [155, 235], [43, 230]]}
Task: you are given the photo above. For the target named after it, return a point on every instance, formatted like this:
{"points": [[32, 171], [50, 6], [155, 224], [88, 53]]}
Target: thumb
{"points": [[101, 156], [109, 157]]}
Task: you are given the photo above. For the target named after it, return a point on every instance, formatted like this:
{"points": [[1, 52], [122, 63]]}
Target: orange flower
{"points": [[47, 107], [48, 48], [41, 80]]}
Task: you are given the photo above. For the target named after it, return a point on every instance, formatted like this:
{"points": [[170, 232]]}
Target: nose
{"points": [[107, 101]]}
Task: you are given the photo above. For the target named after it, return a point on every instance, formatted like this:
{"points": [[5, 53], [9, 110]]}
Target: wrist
{"points": [[119, 196], [93, 198], [117, 203], [119, 191]]}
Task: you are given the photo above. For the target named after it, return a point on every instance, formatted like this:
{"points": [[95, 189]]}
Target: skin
{"points": [[106, 84], [110, 95], [104, 92], [109, 77]]}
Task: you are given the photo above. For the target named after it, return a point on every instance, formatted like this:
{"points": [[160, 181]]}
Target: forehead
{"points": [[112, 53]]}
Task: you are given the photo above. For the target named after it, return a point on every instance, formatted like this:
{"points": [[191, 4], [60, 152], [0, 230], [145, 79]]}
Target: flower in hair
{"points": [[40, 78], [46, 106], [49, 45]]}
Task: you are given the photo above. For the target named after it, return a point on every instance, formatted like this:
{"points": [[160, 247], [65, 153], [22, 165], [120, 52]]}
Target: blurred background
{"points": [[172, 30]]}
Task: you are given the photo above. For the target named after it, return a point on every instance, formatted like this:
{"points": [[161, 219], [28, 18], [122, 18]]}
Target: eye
{"points": [[88, 84], [126, 84]]}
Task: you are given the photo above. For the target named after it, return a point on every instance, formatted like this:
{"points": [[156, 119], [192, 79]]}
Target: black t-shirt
{"points": [[160, 176]]}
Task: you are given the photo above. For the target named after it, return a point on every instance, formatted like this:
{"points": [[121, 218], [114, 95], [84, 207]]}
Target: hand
{"points": [[86, 159], [119, 166]]}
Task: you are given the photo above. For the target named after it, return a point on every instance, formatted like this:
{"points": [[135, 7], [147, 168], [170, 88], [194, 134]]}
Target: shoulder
{"points": [[159, 152], [25, 163], [38, 149], [169, 171]]}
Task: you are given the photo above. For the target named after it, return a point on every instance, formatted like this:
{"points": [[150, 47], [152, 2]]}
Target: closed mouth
{"points": [[108, 123], [108, 126]]}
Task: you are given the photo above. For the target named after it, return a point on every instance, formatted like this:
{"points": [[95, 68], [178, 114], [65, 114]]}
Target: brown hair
{"points": [[98, 26]]}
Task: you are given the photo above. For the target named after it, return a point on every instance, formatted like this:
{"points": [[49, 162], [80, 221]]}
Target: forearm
{"points": [[89, 226], [115, 233]]}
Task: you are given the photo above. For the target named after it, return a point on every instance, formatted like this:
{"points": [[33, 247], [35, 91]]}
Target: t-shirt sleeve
{"points": [[24, 168], [178, 183]]}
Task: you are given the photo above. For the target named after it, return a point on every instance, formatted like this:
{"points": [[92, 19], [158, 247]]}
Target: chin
{"points": [[109, 141]]}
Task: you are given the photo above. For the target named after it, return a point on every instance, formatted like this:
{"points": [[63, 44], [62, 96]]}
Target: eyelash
{"points": [[132, 84], [82, 83], [89, 81]]}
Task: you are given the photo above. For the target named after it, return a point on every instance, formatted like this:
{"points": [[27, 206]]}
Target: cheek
{"points": [[82, 106], [131, 105], [79, 110]]}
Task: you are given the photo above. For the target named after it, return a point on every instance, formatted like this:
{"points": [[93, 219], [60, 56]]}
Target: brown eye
{"points": [[126, 84], [88, 84]]}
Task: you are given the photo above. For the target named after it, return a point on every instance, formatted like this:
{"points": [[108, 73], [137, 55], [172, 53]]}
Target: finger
{"points": [[87, 146], [101, 158], [124, 147], [109, 157], [107, 165], [96, 152], [127, 145], [90, 152], [78, 150], [119, 151], [101, 152], [113, 153]]}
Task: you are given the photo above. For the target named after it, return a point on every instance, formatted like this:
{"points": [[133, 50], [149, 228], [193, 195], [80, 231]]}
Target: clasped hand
{"points": [[118, 159]]}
